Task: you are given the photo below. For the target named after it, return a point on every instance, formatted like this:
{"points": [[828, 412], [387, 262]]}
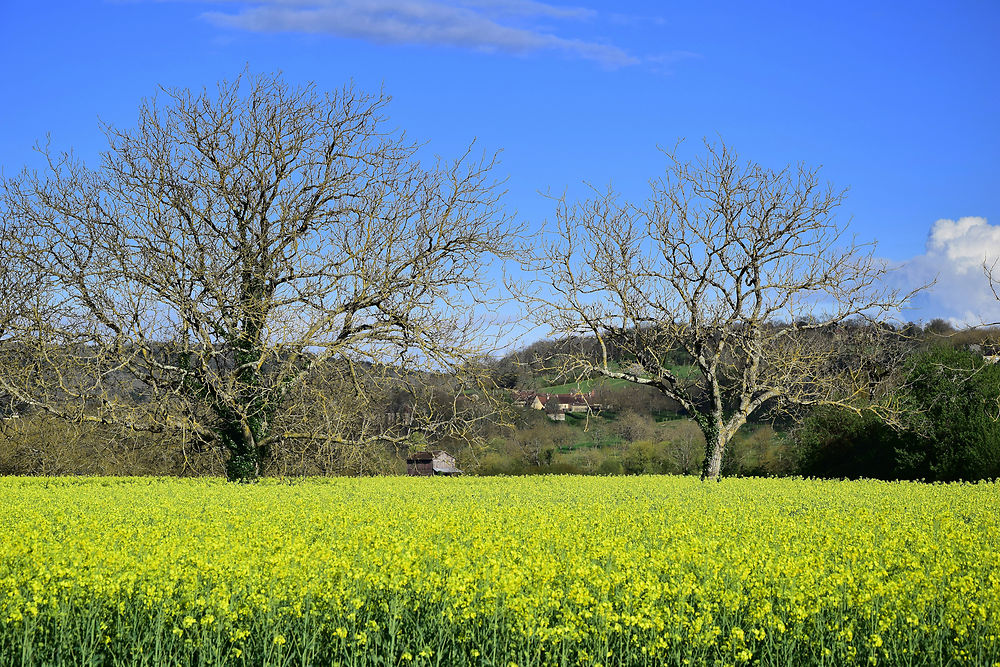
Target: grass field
{"points": [[584, 386], [498, 571], [598, 383]]}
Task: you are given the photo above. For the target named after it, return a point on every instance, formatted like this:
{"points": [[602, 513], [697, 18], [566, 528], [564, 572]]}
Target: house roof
{"points": [[437, 455]]}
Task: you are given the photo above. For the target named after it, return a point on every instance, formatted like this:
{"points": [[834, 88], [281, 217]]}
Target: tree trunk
{"points": [[714, 450], [245, 456], [242, 432], [715, 446]]}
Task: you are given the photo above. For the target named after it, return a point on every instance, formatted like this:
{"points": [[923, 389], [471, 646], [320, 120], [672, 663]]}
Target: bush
{"points": [[955, 429], [837, 443], [610, 466], [951, 432], [633, 427], [759, 450]]}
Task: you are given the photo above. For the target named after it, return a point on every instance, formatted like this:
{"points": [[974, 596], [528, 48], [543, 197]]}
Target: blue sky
{"points": [[898, 101]]}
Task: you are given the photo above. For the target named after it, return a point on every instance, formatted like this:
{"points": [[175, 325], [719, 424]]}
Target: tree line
{"points": [[948, 428]]}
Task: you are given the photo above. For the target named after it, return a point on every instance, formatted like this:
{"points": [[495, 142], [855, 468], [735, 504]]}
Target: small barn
{"points": [[426, 464]]}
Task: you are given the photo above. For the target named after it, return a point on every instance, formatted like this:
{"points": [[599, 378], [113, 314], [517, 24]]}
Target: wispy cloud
{"points": [[503, 26], [955, 255], [532, 8], [663, 63]]}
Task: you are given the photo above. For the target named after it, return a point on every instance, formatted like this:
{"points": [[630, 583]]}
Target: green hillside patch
{"points": [[599, 383]]}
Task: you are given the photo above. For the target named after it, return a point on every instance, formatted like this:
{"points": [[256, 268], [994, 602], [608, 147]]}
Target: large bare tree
{"points": [[731, 290], [258, 264]]}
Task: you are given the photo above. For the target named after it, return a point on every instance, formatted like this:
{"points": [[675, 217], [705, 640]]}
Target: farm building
{"points": [[562, 403], [426, 464]]}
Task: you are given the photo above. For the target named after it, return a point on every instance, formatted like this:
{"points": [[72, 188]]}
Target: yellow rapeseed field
{"points": [[498, 571]]}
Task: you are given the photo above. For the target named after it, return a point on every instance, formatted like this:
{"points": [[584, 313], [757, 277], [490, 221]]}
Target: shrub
{"points": [[837, 443], [953, 395], [951, 429]]}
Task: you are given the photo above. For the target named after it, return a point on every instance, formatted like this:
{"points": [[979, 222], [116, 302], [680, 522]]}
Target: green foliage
{"points": [[608, 443], [583, 386], [952, 431], [653, 458], [760, 450], [838, 443], [610, 466], [955, 428]]}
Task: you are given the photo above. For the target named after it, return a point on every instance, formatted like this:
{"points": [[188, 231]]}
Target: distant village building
{"points": [[559, 404], [427, 464]]}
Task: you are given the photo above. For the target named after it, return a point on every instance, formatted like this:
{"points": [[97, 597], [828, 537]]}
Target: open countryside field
{"points": [[547, 570], [598, 383]]}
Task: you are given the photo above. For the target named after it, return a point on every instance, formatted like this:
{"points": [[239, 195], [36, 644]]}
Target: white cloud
{"points": [[956, 252], [965, 243], [503, 26], [533, 8]]}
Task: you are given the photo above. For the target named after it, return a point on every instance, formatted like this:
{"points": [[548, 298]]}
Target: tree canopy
{"points": [[260, 264], [744, 268]]}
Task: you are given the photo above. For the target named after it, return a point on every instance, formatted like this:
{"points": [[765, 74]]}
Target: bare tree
{"points": [[256, 265], [744, 270], [21, 306]]}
